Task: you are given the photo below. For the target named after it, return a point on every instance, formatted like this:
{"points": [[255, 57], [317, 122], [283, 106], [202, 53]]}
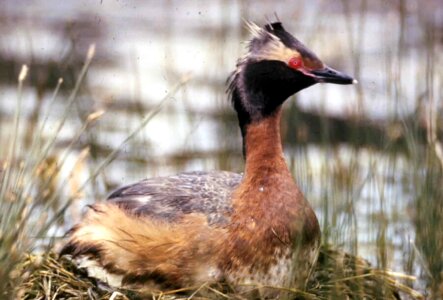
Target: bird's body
{"points": [[217, 226]]}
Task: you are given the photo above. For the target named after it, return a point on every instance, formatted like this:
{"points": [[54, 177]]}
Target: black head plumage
{"points": [[276, 66], [262, 80]]}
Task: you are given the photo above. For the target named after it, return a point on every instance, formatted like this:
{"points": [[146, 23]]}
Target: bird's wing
{"points": [[169, 198]]}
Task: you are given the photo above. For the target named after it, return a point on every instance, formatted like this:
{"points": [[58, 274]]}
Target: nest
{"points": [[338, 275]]}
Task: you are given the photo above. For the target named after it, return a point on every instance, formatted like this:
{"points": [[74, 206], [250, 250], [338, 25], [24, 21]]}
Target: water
{"points": [[145, 47]]}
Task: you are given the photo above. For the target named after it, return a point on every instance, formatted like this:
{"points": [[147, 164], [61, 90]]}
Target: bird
{"points": [[254, 228]]}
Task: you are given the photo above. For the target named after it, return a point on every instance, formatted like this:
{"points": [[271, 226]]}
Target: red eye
{"points": [[295, 62]]}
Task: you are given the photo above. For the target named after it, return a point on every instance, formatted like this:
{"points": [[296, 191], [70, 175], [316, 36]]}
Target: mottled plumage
{"points": [[169, 198]]}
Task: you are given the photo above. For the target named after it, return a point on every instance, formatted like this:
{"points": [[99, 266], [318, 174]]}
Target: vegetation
{"points": [[376, 184], [336, 275]]}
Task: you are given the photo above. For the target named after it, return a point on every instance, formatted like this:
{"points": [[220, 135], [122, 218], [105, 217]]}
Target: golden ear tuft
{"points": [[255, 30]]}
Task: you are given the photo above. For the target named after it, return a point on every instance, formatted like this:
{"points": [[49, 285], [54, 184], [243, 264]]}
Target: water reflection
{"points": [[356, 178]]}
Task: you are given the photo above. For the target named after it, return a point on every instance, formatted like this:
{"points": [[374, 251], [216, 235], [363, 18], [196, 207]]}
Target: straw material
{"points": [[338, 275]]}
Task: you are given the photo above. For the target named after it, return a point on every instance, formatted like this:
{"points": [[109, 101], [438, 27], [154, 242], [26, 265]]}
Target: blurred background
{"points": [[368, 157]]}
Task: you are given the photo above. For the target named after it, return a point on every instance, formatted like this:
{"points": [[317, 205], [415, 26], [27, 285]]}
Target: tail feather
{"points": [[141, 249]]}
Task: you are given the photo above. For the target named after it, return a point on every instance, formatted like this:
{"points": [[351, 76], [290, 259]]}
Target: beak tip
{"points": [[329, 75]]}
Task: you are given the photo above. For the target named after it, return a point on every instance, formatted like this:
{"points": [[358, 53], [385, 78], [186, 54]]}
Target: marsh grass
{"points": [[337, 180], [47, 276], [337, 275], [29, 194], [33, 201]]}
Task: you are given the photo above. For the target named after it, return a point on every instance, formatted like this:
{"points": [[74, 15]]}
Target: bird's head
{"points": [[276, 66]]}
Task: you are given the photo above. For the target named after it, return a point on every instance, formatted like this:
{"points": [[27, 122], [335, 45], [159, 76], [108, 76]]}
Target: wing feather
{"points": [[169, 198]]}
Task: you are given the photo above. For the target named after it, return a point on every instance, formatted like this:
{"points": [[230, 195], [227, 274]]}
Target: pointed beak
{"points": [[330, 75]]}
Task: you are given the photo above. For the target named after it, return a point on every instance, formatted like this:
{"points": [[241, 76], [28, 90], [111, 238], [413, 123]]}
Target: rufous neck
{"points": [[263, 145]]}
